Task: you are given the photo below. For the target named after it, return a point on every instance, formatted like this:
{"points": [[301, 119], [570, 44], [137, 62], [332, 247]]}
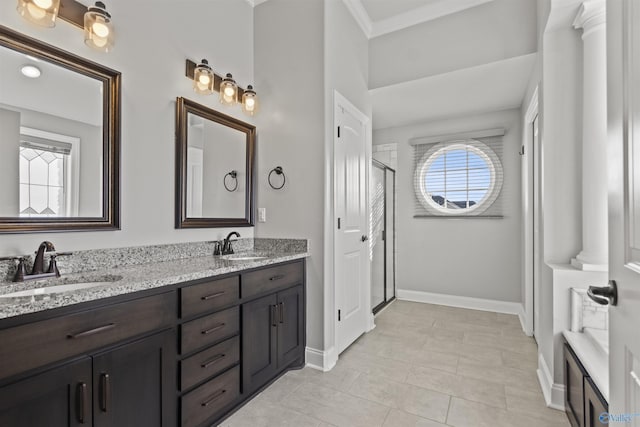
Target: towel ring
{"points": [[234, 176], [278, 171]]}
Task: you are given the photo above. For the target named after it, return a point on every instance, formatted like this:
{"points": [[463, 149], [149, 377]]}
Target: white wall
{"points": [[289, 69], [10, 171], [152, 61], [478, 258], [487, 33]]}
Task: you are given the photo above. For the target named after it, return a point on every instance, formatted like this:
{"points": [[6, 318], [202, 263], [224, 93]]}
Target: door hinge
{"points": [[384, 235], [521, 151], [339, 222], [338, 131], [339, 314]]}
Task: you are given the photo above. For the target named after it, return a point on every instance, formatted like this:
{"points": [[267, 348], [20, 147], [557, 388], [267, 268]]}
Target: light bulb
{"points": [[100, 29], [43, 4], [250, 103], [229, 91], [100, 41], [204, 80], [36, 12]]}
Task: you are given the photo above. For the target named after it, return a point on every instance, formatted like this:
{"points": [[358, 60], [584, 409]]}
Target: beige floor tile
{"points": [[368, 363], [397, 418], [499, 374], [465, 351], [280, 389], [464, 413], [532, 403], [515, 344], [456, 385], [436, 360], [266, 414], [526, 362], [337, 408], [409, 398], [339, 378], [452, 325]]}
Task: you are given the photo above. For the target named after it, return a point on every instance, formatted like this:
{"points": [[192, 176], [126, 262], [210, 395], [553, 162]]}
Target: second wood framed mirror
{"points": [[214, 168]]}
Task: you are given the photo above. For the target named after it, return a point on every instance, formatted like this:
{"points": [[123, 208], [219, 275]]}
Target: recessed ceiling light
{"points": [[31, 71]]}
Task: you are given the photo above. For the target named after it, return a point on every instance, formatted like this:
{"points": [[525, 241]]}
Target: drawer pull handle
{"points": [[213, 398], [213, 360], [212, 296], [92, 331], [82, 402], [273, 315], [276, 277], [281, 312], [215, 328], [105, 386]]}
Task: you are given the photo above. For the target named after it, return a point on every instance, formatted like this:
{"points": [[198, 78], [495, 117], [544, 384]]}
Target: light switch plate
{"points": [[262, 215]]}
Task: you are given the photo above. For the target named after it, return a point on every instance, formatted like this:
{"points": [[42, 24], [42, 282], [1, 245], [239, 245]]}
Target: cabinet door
{"points": [[259, 352], [60, 397], [574, 392], [290, 326], [135, 384], [594, 405]]}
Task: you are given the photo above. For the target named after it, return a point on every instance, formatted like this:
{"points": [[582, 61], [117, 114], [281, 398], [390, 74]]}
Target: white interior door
{"points": [[351, 239], [623, 58]]}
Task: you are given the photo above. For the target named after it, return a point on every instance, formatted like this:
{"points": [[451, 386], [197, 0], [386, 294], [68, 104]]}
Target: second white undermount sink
{"points": [[57, 289]]}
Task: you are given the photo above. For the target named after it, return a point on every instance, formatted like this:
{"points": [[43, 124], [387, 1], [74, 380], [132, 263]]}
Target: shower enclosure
{"points": [[383, 246]]}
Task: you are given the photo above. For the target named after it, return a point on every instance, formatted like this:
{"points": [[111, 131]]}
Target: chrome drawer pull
{"points": [[277, 277], [213, 398], [92, 331], [212, 296], [213, 360], [215, 328]]}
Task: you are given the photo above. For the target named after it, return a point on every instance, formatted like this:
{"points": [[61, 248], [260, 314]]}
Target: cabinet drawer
{"points": [[36, 344], [209, 399], [269, 279], [209, 296], [209, 329], [209, 362]]}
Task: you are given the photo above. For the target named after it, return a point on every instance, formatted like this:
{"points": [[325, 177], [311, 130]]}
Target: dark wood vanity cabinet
{"points": [[114, 373], [272, 334], [583, 401]]}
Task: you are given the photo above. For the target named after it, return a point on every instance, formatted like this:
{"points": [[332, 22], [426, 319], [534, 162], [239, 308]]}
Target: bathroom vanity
{"points": [[156, 350]]}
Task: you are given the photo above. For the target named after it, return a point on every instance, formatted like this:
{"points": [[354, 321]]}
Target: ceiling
{"points": [[378, 17]]}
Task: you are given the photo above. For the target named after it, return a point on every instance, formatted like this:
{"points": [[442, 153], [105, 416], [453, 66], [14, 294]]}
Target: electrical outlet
{"points": [[262, 215]]}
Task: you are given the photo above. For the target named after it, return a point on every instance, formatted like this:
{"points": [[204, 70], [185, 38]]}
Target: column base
{"points": [[585, 266]]}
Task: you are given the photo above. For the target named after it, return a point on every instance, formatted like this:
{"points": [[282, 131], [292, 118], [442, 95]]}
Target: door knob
{"points": [[364, 238], [604, 295]]}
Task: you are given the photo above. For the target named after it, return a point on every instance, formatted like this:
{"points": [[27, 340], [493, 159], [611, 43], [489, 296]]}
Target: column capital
{"points": [[592, 16]]}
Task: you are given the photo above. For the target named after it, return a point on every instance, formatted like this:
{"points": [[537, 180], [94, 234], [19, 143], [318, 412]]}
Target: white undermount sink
{"points": [[241, 257], [57, 289]]}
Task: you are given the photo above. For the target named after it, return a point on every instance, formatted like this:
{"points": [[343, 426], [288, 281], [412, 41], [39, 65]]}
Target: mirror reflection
{"points": [[51, 139], [214, 175], [216, 169]]}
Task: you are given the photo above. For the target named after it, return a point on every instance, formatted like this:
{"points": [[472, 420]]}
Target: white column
{"points": [[594, 255]]}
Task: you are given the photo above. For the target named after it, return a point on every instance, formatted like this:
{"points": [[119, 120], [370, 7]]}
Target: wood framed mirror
{"points": [[214, 168], [59, 139]]}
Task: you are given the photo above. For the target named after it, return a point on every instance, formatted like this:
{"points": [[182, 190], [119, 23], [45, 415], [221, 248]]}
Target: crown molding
{"points": [[360, 15]]}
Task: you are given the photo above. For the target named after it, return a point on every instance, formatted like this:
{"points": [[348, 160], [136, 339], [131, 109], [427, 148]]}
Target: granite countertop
{"points": [[593, 358], [133, 278]]}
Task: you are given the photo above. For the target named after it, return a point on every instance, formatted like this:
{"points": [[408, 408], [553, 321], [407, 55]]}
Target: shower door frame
{"points": [[386, 301]]}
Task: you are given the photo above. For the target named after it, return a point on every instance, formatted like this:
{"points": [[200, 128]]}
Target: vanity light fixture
{"points": [[203, 78], [30, 71], [228, 90], [98, 29], [250, 101], [95, 20], [39, 12]]}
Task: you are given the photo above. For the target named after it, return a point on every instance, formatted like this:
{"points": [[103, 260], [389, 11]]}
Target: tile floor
{"points": [[422, 366]]}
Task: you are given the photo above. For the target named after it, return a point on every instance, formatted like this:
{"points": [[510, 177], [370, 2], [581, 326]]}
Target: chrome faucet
{"points": [[226, 244]]}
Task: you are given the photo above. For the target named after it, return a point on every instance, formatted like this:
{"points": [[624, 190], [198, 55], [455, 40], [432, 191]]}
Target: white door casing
{"points": [[352, 255], [623, 73]]}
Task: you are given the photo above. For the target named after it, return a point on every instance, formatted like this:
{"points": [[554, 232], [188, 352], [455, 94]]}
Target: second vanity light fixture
{"points": [[95, 20], [205, 82]]}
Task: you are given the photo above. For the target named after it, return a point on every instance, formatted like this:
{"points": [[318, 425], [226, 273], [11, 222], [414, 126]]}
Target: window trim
{"points": [[479, 148]]}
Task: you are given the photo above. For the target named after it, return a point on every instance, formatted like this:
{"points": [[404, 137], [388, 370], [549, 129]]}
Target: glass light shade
{"points": [[228, 90], [250, 101], [39, 12], [203, 78], [98, 29]]}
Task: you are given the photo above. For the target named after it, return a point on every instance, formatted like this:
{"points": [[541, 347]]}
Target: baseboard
{"points": [[553, 393], [462, 302], [522, 316], [320, 360]]}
